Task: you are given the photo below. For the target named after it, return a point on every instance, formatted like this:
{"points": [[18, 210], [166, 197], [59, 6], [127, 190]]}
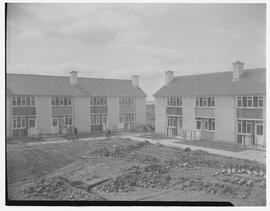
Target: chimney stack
{"points": [[168, 77], [238, 70], [73, 78], [135, 80]]}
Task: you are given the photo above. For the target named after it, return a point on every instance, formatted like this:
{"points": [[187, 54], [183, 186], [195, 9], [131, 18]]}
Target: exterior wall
{"points": [[140, 111], [113, 112], [160, 115], [250, 113], [43, 114], [189, 113], [61, 110], [8, 117], [204, 112], [225, 119], [81, 113]]}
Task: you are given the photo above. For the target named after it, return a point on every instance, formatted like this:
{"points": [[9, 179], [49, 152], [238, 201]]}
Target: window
{"points": [[213, 101], [209, 102], [54, 122], [260, 102], [53, 101], [174, 101], [97, 119], [211, 124], [121, 119], [69, 101], [244, 127], [206, 124], [18, 101], [248, 127], [198, 124], [23, 101], [93, 120], [19, 122], [14, 101], [65, 101], [100, 101], [239, 101], [239, 126], [205, 101], [244, 101], [32, 123], [33, 101], [255, 101], [249, 101], [259, 129], [197, 101], [14, 125], [61, 101], [28, 101]]}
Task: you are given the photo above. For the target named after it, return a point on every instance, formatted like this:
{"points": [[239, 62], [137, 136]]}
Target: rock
{"points": [[229, 171], [261, 173], [158, 144], [242, 181], [187, 149], [243, 171], [255, 173], [248, 172], [262, 184], [217, 173], [185, 165], [223, 171], [239, 171], [233, 171], [249, 182]]}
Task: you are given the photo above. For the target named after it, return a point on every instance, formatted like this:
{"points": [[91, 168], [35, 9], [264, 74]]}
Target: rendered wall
{"points": [[81, 113], [43, 114], [225, 119], [113, 112], [140, 111], [188, 113], [160, 115]]}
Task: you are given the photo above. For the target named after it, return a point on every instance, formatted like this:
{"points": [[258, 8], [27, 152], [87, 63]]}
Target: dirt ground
{"points": [[121, 169]]}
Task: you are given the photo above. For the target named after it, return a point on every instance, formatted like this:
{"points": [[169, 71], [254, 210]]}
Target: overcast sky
{"points": [[119, 40]]}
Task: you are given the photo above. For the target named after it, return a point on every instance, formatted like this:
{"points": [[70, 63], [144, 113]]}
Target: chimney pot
{"points": [[135, 80], [168, 77], [73, 78], [238, 70]]}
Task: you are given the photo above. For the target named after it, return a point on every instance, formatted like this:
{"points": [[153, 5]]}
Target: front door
{"points": [[121, 122], [32, 127], [55, 125], [259, 134]]}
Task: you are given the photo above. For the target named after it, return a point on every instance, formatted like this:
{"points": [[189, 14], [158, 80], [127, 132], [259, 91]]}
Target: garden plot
{"points": [[121, 169]]}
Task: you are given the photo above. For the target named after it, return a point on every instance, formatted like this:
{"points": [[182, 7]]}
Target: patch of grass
{"points": [[232, 147], [24, 140]]}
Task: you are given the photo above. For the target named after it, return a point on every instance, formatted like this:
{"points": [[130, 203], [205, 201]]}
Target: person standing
{"points": [[76, 133]]}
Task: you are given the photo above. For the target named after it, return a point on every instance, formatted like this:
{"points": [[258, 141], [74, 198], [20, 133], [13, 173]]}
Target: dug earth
{"points": [[121, 169]]}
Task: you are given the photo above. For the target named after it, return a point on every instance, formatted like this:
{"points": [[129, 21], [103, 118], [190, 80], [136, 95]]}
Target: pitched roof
{"points": [[23, 84], [251, 82]]}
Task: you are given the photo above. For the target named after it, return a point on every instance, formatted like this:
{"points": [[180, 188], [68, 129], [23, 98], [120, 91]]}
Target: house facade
{"points": [[225, 106], [38, 104]]}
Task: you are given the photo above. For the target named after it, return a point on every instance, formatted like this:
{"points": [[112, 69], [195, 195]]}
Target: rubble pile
{"points": [[57, 188], [220, 188], [153, 176]]}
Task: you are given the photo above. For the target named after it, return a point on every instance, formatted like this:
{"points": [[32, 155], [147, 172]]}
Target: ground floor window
{"points": [[205, 123], [128, 117], [95, 119], [244, 126], [259, 129], [19, 122]]}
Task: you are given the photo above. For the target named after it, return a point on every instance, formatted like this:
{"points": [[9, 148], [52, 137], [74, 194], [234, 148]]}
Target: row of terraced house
{"points": [[224, 106]]}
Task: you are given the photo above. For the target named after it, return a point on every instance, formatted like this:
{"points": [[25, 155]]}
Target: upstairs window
{"points": [[61, 101], [249, 101], [23, 101], [96, 101], [126, 101], [174, 102], [205, 101]]}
